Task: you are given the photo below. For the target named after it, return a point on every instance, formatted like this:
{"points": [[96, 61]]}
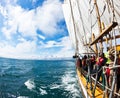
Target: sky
{"points": [[33, 29]]}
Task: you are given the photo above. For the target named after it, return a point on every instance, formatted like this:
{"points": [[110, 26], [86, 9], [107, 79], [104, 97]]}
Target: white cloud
{"points": [[49, 15], [29, 49], [20, 20], [63, 42], [65, 51], [21, 39], [45, 18], [27, 22], [49, 44], [20, 50]]}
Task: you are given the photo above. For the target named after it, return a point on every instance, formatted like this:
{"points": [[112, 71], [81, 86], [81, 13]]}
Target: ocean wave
{"points": [[11, 95], [4, 70], [55, 86], [68, 79], [69, 82], [22, 97], [30, 84], [42, 91]]}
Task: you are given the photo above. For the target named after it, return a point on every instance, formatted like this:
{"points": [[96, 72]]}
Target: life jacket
{"points": [[84, 62], [93, 59], [100, 61], [78, 64], [107, 74]]}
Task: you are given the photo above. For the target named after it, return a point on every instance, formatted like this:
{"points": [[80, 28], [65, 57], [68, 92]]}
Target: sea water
{"points": [[38, 79]]}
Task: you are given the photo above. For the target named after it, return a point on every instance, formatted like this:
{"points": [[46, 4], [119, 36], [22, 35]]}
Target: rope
{"points": [[92, 9], [104, 8], [90, 1], [107, 1], [113, 10], [112, 7]]}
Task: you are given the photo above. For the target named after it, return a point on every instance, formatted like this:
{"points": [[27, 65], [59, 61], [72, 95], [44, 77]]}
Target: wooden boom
{"points": [[104, 32]]}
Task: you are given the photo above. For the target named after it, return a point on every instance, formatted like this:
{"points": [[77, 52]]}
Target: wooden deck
{"points": [[87, 93]]}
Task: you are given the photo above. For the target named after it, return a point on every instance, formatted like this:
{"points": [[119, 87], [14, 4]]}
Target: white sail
{"points": [[73, 24], [84, 20], [69, 22]]}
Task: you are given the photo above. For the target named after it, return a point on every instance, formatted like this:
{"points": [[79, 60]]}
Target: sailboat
{"points": [[94, 29]]}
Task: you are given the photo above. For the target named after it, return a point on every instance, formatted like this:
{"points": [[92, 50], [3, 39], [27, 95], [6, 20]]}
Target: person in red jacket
{"points": [[79, 64], [100, 63], [84, 63], [107, 73]]}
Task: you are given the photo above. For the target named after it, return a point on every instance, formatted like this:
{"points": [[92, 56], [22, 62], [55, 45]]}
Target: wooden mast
{"points": [[95, 45], [99, 23], [100, 30], [98, 16]]}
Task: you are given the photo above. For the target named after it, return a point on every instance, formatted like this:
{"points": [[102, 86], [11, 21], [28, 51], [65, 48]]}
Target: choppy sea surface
{"points": [[38, 79]]}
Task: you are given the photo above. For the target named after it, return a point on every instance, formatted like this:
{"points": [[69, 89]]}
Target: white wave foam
{"points": [[68, 79], [55, 86], [42, 92], [69, 82], [22, 97], [30, 84], [11, 95]]}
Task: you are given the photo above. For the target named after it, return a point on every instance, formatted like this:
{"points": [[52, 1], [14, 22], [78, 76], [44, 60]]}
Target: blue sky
{"points": [[33, 29]]}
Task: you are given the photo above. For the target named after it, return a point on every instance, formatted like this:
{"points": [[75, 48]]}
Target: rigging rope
{"points": [[113, 10], [92, 9], [107, 1], [104, 8], [110, 6], [90, 1]]}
